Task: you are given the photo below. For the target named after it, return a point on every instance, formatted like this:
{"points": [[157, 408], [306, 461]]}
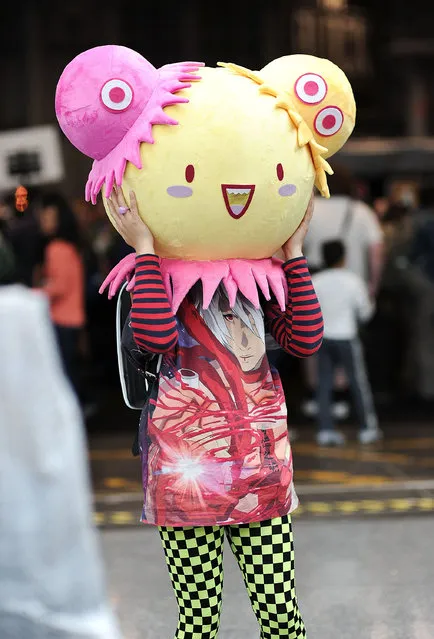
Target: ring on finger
{"points": [[123, 210]]}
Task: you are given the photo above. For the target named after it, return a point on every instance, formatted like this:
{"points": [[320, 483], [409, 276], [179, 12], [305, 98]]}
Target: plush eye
{"points": [[311, 88], [189, 173], [229, 317], [329, 121], [116, 95], [280, 172]]}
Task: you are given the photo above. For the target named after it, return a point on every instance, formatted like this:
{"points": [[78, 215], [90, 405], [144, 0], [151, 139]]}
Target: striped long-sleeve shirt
{"points": [[214, 438], [298, 330], [152, 320]]}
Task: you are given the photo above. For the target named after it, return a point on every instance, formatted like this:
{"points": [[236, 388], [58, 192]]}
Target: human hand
{"points": [[128, 223], [294, 246]]}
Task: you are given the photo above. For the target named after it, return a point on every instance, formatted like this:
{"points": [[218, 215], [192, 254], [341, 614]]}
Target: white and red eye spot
{"points": [[329, 121], [116, 95], [280, 172], [189, 173], [311, 88], [229, 317]]}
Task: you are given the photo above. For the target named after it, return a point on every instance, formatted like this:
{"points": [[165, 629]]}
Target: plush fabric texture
{"points": [[232, 155], [179, 277]]}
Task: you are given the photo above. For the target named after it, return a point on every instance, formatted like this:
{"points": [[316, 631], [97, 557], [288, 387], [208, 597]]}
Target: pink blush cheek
{"points": [[180, 191], [287, 190]]}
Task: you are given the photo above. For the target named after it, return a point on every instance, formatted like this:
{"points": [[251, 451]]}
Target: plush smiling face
{"points": [[230, 181], [222, 167]]}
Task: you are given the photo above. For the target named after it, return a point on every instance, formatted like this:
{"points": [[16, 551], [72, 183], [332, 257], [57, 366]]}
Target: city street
{"points": [[363, 578], [146, 190], [363, 534]]}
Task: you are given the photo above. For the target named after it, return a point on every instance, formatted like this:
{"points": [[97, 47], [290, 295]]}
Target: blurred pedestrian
{"points": [[387, 341], [344, 218], [63, 278], [7, 257], [51, 577], [345, 302], [420, 354], [21, 232], [380, 207]]}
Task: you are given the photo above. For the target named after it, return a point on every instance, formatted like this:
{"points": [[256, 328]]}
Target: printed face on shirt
{"points": [[244, 342]]}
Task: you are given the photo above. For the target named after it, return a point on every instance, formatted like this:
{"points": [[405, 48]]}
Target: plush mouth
{"points": [[237, 198]]}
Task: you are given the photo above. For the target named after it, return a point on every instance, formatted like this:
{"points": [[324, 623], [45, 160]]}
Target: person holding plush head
{"points": [[207, 177]]}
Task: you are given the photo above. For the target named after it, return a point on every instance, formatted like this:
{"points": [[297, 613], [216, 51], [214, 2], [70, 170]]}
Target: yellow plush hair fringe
{"points": [[304, 133]]}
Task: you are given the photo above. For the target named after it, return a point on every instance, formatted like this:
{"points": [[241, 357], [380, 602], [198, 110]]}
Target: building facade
{"points": [[385, 48]]}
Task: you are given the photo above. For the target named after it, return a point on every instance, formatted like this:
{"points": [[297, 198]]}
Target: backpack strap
{"points": [[119, 347], [149, 375]]}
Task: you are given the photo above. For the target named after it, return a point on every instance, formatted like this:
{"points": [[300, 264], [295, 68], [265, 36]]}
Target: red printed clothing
{"points": [[64, 286], [214, 441]]}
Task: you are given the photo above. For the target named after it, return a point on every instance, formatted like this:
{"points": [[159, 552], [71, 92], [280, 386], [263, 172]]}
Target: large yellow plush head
{"points": [[222, 163]]}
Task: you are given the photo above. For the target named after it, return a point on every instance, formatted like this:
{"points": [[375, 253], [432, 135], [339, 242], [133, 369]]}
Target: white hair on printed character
{"points": [[214, 319]]}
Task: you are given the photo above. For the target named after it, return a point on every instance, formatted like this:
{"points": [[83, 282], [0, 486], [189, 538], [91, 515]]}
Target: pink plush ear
{"points": [[100, 95], [107, 100]]}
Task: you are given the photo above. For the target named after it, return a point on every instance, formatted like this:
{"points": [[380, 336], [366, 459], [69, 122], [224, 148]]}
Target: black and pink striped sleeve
{"points": [[299, 329], [152, 321]]}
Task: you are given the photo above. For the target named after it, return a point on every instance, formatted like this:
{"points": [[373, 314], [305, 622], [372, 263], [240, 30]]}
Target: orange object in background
{"points": [[21, 202]]}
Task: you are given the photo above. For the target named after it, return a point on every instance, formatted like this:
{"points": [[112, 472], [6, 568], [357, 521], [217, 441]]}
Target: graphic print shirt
{"points": [[214, 440]]}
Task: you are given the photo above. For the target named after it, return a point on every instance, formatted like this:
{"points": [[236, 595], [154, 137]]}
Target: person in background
{"points": [[52, 582], [345, 302], [21, 233], [100, 256], [380, 207], [345, 218], [63, 278], [351, 221], [419, 364], [7, 257], [387, 342]]}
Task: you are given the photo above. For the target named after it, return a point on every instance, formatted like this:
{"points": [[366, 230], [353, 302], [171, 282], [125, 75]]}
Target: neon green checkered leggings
{"points": [[265, 554]]}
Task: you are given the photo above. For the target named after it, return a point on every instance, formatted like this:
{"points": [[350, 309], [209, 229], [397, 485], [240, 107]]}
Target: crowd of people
{"points": [[385, 312], [66, 249]]}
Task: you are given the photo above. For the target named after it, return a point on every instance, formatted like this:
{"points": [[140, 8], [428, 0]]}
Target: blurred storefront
{"points": [[385, 50]]}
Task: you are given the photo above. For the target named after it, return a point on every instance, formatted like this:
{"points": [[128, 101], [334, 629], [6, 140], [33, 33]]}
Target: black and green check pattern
{"points": [[265, 554]]}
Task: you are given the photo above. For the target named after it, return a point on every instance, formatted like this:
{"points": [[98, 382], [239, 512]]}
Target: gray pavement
{"points": [[357, 579]]}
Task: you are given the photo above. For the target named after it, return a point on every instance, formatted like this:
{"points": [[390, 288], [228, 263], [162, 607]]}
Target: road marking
{"points": [[342, 508], [321, 476], [426, 503], [311, 449], [120, 483], [123, 518], [390, 486], [349, 453], [372, 505], [98, 518], [401, 504], [110, 455], [319, 507], [347, 507], [422, 443]]}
